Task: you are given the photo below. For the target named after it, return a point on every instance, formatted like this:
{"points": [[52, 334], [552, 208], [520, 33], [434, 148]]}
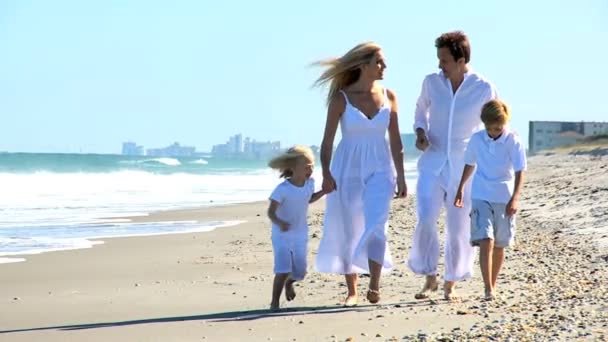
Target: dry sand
{"points": [[215, 286]]}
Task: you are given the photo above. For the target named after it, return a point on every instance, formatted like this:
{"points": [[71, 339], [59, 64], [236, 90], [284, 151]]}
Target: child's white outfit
{"points": [[496, 162], [290, 247]]}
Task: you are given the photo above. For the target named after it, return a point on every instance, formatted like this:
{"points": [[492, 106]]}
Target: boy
{"points": [[500, 160]]}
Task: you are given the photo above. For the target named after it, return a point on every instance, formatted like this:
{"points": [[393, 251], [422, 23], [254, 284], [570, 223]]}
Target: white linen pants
{"points": [[433, 192]]}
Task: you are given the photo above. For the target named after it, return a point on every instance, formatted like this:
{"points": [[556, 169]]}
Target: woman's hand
{"points": [[329, 183]]}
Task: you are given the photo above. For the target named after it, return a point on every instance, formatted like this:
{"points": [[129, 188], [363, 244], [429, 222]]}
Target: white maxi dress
{"points": [[356, 216]]}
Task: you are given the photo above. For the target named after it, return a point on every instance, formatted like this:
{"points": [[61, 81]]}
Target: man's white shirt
{"points": [[450, 119]]}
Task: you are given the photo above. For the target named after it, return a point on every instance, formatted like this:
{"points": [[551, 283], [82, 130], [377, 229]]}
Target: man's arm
{"points": [[421, 117]]}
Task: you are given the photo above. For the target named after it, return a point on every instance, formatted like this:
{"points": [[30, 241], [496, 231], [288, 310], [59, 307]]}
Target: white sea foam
{"points": [[43, 210]]}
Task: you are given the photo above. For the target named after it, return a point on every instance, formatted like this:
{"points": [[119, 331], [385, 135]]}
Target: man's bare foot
{"points": [[430, 285], [449, 292], [290, 292], [351, 300], [274, 307]]}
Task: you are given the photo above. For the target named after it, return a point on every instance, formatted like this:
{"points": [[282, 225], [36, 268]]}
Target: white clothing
{"points": [[433, 192], [356, 216], [496, 162], [449, 119], [290, 246]]}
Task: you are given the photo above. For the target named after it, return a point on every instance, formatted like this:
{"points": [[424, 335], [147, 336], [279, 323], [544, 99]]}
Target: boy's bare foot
{"points": [[449, 292], [351, 300], [490, 295], [290, 292], [274, 307], [430, 285]]}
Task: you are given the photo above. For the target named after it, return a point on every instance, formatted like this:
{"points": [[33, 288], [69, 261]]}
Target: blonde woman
{"points": [[287, 212], [361, 178]]}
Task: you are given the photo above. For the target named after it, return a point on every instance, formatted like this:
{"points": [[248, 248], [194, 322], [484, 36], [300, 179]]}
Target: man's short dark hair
{"points": [[458, 44]]}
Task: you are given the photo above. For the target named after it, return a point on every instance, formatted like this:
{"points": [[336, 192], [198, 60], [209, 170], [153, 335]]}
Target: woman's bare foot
{"points": [[449, 292], [290, 292], [430, 285], [373, 296], [351, 300]]}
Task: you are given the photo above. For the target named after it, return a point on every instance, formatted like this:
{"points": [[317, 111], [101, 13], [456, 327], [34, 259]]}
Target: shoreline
{"points": [[215, 214], [216, 285]]}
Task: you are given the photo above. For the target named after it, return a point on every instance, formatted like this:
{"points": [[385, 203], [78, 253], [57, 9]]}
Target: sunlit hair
{"points": [[289, 159], [344, 71], [495, 112], [458, 44]]}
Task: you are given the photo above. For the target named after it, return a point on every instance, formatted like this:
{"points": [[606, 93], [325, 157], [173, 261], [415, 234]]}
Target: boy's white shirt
{"points": [[496, 162]]}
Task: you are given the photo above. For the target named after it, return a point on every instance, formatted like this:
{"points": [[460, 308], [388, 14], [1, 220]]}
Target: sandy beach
{"points": [[215, 286]]}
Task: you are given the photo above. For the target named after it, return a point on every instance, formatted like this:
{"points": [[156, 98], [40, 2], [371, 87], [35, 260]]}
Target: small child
{"points": [[287, 211], [500, 157]]}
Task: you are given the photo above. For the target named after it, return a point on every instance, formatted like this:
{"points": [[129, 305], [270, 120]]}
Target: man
{"points": [[447, 114]]}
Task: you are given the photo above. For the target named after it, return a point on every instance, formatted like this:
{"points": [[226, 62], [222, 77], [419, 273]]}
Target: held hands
{"points": [[284, 226], [458, 203], [511, 209], [329, 183], [401, 188]]}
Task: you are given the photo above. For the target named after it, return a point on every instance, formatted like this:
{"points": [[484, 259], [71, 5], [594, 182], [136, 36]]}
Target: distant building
{"points": [[175, 150], [235, 144], [132, 149], [239, 148], [543, 135]]}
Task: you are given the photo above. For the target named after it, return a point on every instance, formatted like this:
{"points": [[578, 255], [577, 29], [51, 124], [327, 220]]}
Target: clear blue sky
{"points": [[88, 75]]}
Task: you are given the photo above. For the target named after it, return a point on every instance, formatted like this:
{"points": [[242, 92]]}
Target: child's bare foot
{"points": [[351, 300], [430, 285], [290, 292], [274, 307], [489, 295], [449, 292]]}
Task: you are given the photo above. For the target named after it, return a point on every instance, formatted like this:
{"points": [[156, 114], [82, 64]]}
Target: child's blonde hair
{"points": [[287, 161], [495, 112]]}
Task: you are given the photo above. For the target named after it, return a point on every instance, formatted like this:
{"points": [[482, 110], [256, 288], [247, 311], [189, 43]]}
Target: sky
{"points": [[85, 76]]}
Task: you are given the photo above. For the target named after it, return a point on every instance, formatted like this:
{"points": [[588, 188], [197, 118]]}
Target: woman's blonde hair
{"points": [[344, 71], [495, 111], [287, 161]]}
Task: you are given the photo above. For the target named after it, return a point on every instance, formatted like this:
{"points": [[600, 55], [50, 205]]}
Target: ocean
{"points": [[55, 202]]}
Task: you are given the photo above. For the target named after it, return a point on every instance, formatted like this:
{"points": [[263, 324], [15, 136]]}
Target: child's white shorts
{"points": [[290, 257]]}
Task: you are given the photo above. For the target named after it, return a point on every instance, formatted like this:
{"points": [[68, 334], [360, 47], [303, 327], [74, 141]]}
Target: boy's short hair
{"points": [[495, 112]]}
